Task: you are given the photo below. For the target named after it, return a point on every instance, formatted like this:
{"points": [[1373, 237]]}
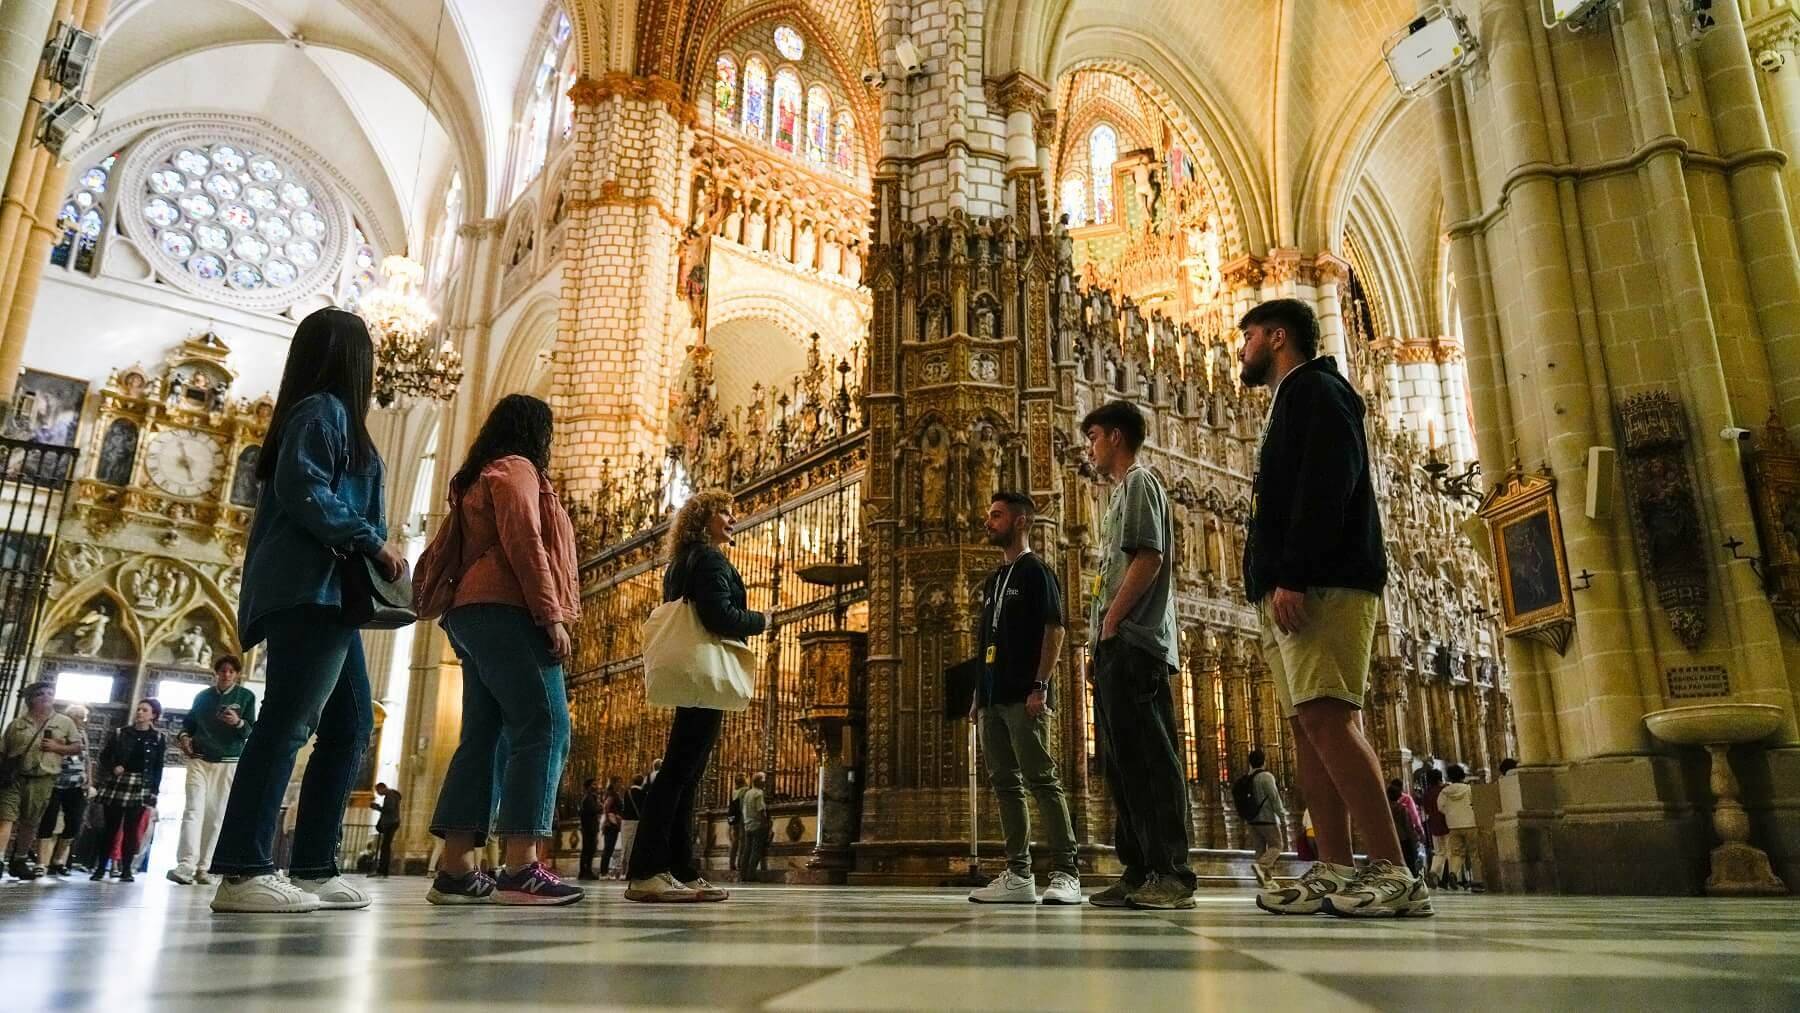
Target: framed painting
{"points": [[46, 408], [1532, 568]]}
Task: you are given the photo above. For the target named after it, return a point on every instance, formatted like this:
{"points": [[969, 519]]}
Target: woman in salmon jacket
{"points": [[515, 597]]}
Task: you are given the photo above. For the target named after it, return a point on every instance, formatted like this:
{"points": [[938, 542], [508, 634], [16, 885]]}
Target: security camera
{"points": [[907, 56], [873, 77], [1733, 433], [1770, 60]]}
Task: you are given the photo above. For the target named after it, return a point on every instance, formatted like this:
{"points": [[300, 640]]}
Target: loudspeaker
{"points": [[1599, 482]]}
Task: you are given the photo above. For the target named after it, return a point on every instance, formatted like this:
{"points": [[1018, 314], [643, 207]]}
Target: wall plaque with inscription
{"points": [[1698, 681]]}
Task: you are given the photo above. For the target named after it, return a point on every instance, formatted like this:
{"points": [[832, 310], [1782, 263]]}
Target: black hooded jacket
{"points": [[1313, 516]]}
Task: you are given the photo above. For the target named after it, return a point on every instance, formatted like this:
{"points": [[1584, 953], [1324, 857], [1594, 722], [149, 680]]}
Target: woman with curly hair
{"points": [[515, 598], [662, 866]]}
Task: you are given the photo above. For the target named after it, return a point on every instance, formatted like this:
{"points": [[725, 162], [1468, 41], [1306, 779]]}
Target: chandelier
{"points": [[409, 363]]}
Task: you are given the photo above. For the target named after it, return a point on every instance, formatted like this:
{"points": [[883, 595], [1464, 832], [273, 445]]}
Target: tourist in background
{"points": [[1020, 641], [31, 756], [1415, 825], [734, 818], [757, 830], [1132, 627], [515, 599], [592, 803], [1436, 827], [213, 736], [662, 865], [68, 800], [1267, 813], [1456, 803], [1314, 568], [321, 509], [131, 770], [615, 823], [387, 824]]}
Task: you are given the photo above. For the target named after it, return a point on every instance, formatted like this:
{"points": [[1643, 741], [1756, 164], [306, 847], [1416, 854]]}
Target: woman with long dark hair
{"points": [[662, 866], [321, 508], [514, 574], [131, 770]]}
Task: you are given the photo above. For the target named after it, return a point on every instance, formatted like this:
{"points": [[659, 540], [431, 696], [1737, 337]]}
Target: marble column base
{"points": [[1739, 870], [1610, 825]]}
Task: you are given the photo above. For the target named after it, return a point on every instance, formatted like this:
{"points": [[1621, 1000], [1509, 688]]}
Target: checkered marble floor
{"points": [[152, 945]]}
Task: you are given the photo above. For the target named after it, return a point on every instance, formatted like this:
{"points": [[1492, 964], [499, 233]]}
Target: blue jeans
{"points": [[319, 685], [513, 697]]}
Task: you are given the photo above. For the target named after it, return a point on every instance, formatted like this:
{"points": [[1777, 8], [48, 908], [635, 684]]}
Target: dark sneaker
{"points": [[475, 887], [1116, 895], [1306, 895], [1162, 893], [534, 885]]}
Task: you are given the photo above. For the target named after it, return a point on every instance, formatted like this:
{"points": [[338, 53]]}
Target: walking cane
{"points": [[974, 835]]}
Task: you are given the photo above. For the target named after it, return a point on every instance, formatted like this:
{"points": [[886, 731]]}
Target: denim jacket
{"points": [[313, 510]]}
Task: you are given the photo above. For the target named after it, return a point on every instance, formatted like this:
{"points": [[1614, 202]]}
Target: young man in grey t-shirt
{"points": [[1131, 626]]}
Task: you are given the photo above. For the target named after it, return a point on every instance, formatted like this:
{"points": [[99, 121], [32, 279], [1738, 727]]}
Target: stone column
{"points": [[1330, 273], [1205, 668], [24, 25], [624, 230]]}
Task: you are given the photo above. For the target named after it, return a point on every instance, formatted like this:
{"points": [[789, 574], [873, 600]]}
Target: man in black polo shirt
{"points": [[1021, 637]]}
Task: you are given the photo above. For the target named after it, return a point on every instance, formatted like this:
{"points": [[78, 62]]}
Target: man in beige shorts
{"points": [[1314, 566]]}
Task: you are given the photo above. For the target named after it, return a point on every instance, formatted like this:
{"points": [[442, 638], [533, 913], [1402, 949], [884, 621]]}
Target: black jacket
{"points": [[1313, 517], [138, 752], [703, 575]]}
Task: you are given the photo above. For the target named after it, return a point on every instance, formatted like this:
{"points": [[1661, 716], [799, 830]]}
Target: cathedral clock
{"points": [[183, 462]]}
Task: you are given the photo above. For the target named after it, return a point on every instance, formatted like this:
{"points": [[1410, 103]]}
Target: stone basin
{"points": [[1714, 723]]}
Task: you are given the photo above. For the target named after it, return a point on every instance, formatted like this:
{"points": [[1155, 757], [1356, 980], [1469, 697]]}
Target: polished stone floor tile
{"points": [[68, 946]]}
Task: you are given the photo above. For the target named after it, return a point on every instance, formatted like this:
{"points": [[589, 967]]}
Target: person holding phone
{"points": [[212, 737]]}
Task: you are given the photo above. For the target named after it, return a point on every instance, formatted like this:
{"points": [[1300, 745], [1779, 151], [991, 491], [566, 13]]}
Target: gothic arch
{"points": [[1223, 161], [532, 339]]}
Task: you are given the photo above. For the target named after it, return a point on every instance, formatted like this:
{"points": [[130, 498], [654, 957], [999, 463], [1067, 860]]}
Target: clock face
{"points": [[183, 464]]}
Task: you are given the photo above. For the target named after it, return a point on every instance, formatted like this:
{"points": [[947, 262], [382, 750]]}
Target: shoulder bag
{"points": [[687, 665], [440, 568], [13, 764], [370, 600]]}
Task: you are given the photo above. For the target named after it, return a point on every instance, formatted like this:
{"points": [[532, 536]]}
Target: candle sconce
{"points": [[1732, 545], [1586, 578], [1460, 486]]}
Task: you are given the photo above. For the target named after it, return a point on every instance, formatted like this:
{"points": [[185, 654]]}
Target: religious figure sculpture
{"points": [[696, 258], [934, 492], [90, 633], [192, 649]]}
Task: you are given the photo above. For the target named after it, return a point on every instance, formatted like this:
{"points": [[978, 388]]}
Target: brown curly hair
{"points": [[690, 523]]}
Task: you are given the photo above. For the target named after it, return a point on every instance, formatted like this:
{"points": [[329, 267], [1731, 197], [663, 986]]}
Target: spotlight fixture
{"points": [[1574, 15], [69, 57], [1430, 49], [65, 125]]}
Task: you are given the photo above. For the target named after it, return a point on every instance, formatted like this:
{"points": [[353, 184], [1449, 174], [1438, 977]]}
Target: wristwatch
{"points": [[1040, 687]]}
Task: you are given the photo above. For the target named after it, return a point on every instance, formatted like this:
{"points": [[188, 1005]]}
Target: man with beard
{"points": [[1314, 567], [1021, 638]]}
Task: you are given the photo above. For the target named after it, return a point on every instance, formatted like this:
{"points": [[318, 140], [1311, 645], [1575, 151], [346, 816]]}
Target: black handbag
{"points": [[370, 600]]}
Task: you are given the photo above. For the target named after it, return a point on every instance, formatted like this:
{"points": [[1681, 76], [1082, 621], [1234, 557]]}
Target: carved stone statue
{"points": [[90, 633], [191, 647], [981, 470], [934, 492]]}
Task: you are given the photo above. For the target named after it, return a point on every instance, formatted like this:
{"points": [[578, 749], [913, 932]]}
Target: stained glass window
{"points": [[843, 144], [756, 98], [1103, 151], [540, 106], [789, 43], [565, 106], [234, 216], [725, 89], [787, 110], [818, 125], [1074, 200], [81, 222]]}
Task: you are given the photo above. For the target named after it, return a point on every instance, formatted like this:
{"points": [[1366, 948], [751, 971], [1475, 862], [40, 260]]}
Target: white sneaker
{"points": [[660, 889], [1307, 895], [1063, 889], [202, 877], [265, 894], [180, 874], [1008, 888], [335, 894], [1383, 890]]}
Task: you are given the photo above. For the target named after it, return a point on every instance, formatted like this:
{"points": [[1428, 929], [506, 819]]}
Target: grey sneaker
{"points": [[1383, 890], [1007, 888], [1162, 893], [1116, 895], [1306, 896]]}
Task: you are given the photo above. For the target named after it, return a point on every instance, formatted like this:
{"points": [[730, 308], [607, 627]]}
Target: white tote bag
{"points": [[685, 665]]}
